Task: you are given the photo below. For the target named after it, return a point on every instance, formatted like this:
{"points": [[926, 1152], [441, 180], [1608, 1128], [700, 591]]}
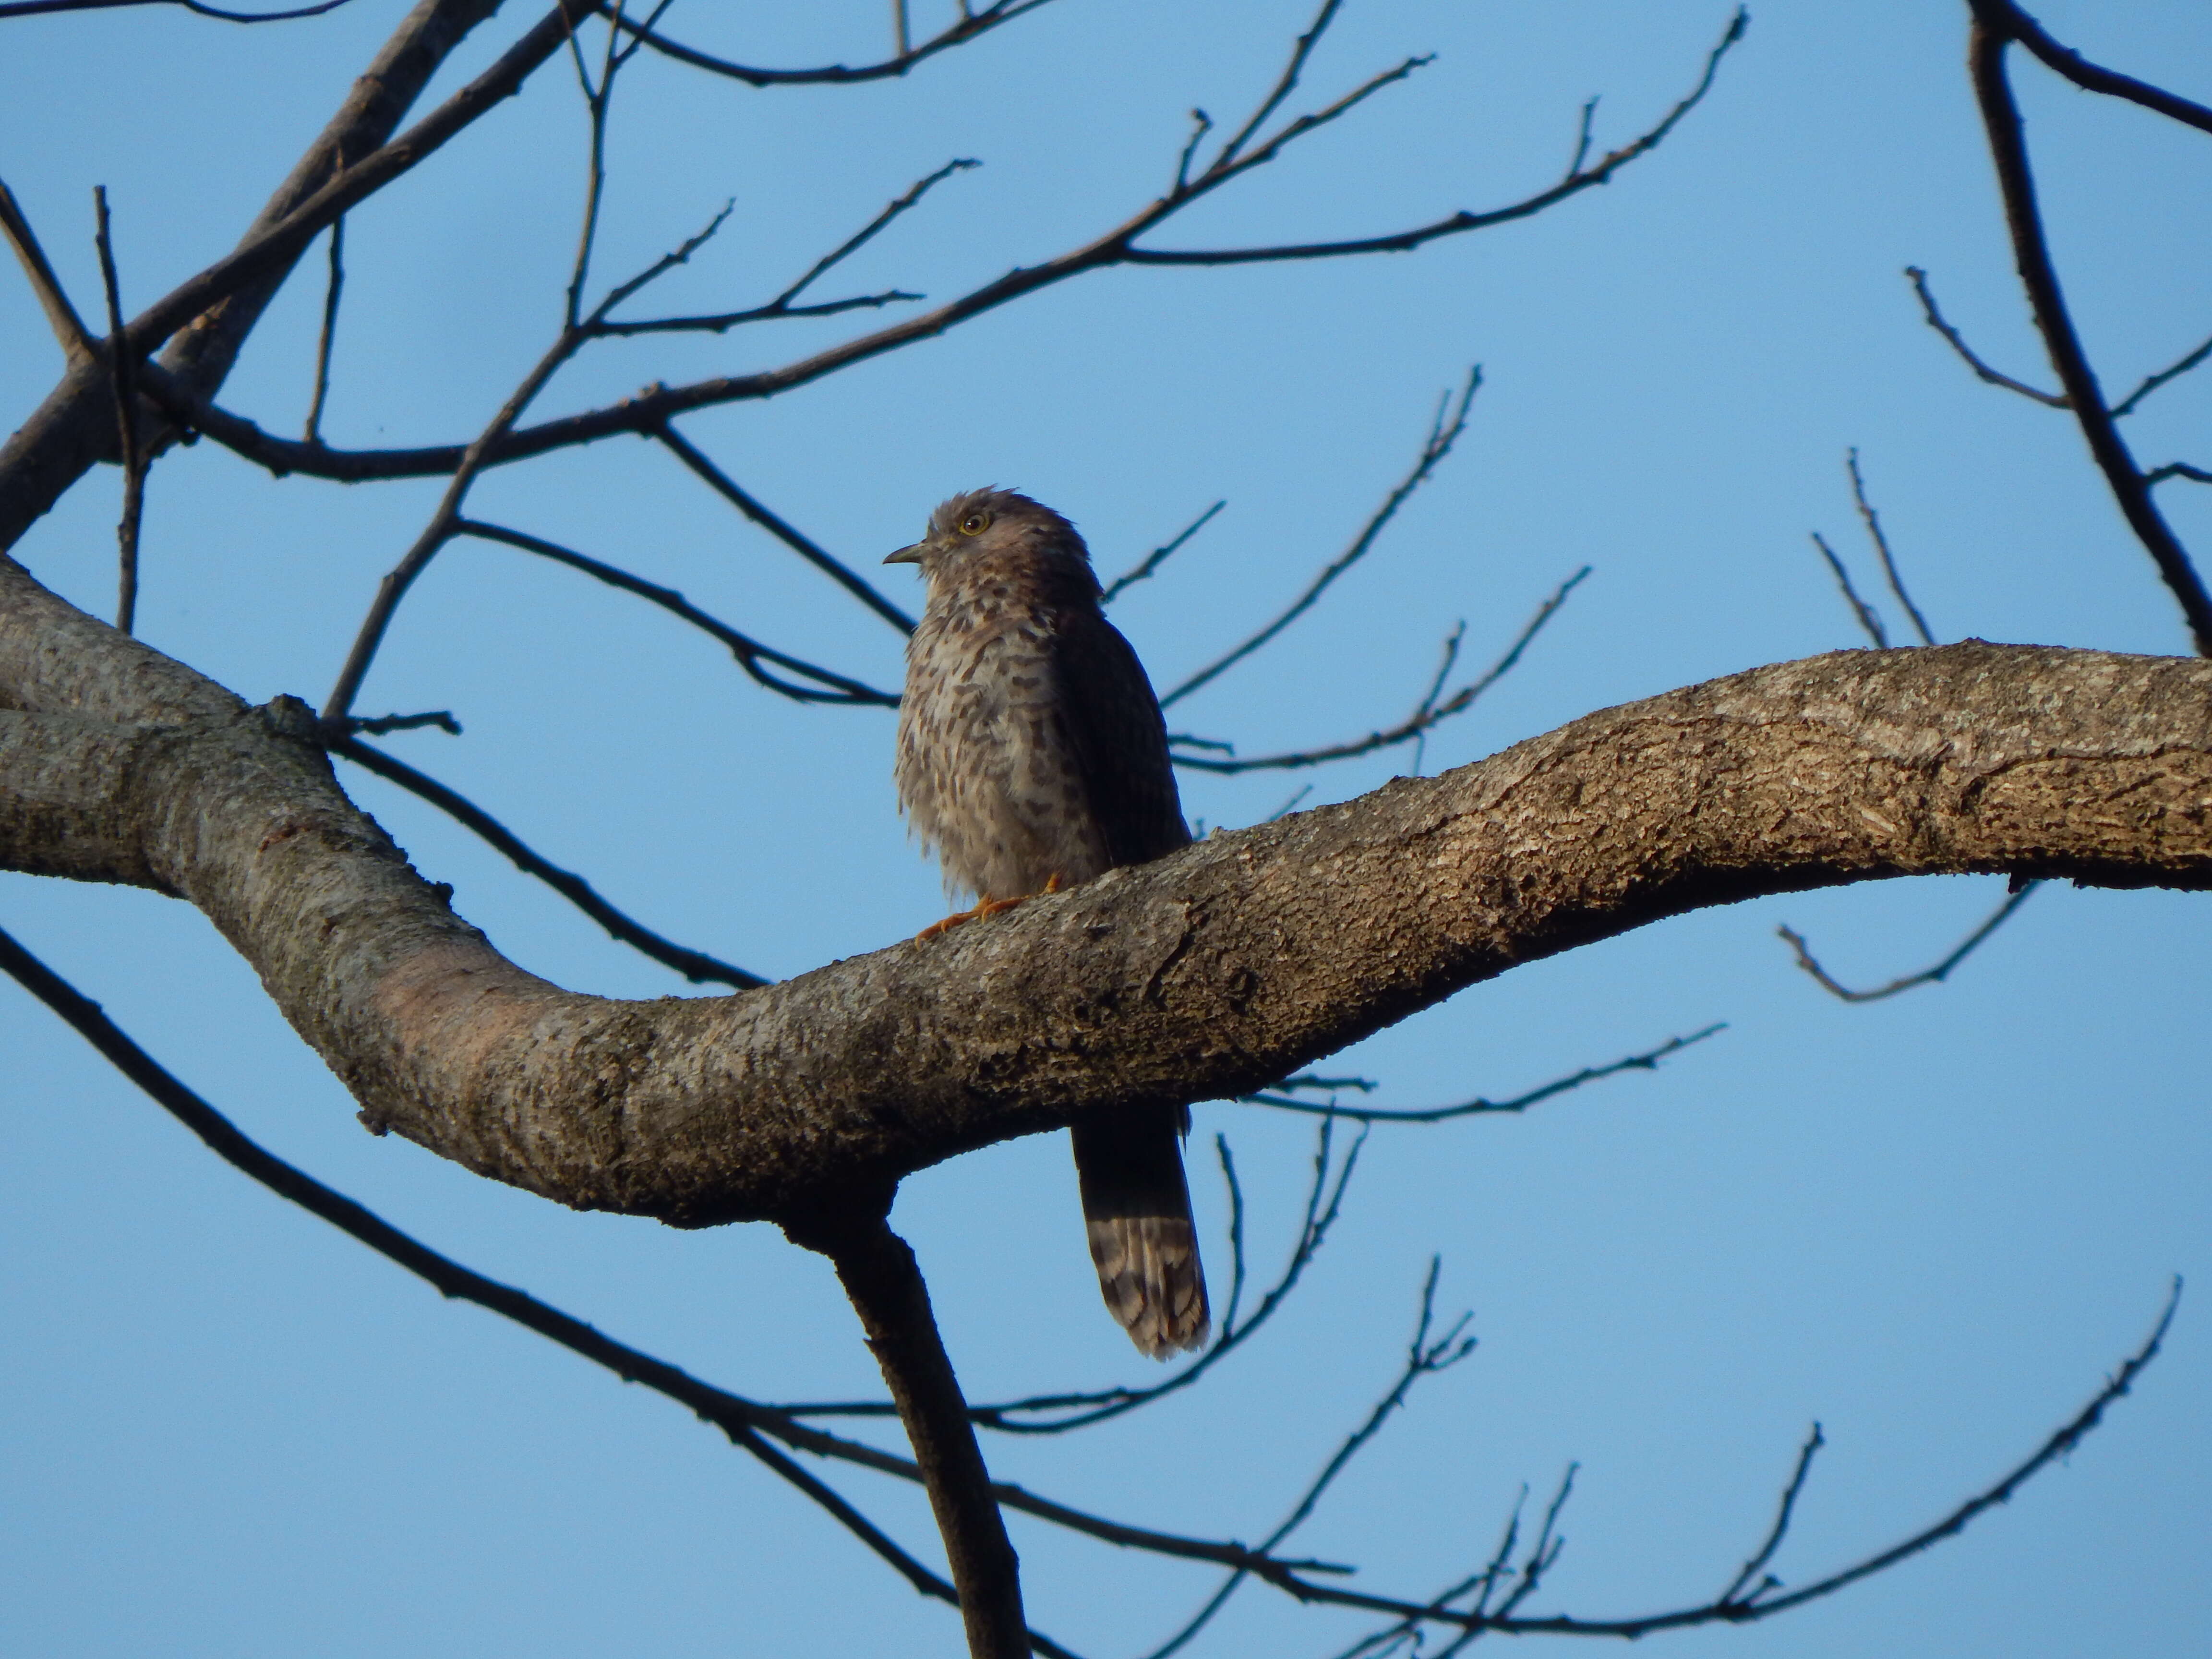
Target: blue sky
{"points": [[1934, 1224]]}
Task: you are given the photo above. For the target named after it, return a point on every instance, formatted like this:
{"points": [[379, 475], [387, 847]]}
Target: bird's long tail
{"points": [[1136, 1208]]}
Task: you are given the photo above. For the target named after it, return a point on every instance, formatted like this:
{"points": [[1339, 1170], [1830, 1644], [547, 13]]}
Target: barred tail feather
{"points": [[1136, 1210]]}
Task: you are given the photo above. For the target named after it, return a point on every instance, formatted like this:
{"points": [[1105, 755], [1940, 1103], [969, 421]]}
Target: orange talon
{"points": [[985, 906]]}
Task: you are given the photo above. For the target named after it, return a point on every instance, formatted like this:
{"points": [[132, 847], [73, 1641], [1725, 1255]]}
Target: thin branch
{"points": [[1478, 1107], [383, 724], [76, 341], [1757, 1564], [2128, 405], [720, 322], [694, 965], [2177, 470], [807, 549], [1426, 1355], [1572, 184], [2007, 16], [1443, 432], [1425, 716], [2009, 149], [1935, 976], [1868, 619], [781, 307], [1752, 1608], [967, 28], [853, 244], [1284, 84], [1936, 320], [1873, 522], [831, 686], [2058, 1445], [1158, 556], [126, 425], [313, 434], [197, 8], [649, 410]]}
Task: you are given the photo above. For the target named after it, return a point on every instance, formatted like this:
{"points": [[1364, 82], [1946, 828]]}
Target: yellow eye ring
{"points": [[975, 523]]}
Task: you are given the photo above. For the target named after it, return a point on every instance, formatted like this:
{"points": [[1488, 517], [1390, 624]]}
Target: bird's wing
{"points": [[1114, 724]]}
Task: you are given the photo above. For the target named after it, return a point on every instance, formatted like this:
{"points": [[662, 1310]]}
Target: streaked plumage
{"points": [[1032, 750]]}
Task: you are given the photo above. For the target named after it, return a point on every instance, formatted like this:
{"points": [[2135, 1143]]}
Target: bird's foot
{"points": [[985, 906]]}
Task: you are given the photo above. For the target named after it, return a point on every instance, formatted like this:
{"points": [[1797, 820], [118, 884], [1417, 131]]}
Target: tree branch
{"points": [[650, 410], [694, 965], [969, 26], [880, 1275], [1935, 976], [67, 435], [2009, 149], [2006, 15], [76, 341], [1213, 972]]}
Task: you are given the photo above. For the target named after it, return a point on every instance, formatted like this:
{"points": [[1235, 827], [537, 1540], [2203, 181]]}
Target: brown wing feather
{"points": [[1114, 724]]}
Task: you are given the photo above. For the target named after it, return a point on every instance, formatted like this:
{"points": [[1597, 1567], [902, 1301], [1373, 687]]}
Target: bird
{"points": [[1032, 756]]}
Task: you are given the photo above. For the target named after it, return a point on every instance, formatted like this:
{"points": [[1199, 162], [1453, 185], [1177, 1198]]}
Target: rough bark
{"points": [[1216, 969]]}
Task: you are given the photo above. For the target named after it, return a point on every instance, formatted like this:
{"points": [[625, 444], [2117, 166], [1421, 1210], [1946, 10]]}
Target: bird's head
{"points": [[970, 529]]}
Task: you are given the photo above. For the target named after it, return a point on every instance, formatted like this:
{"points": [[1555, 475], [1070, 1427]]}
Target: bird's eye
{"points": [[975, 523]]}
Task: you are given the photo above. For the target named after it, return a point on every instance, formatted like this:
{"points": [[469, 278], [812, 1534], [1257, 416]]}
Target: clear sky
{"points": [[1934, 1224]]}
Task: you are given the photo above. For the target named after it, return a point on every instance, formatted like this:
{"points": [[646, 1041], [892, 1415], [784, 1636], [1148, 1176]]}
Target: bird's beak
{"points": [[906, 554]]}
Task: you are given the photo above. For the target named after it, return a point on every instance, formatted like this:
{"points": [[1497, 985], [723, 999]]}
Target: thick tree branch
{"points": [[878, 1273], [1210, 972]]}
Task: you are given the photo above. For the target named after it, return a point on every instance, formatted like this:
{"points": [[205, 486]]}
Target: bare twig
{"points": [[76, 341], [1757, 1564], [324, 341], [1873, 522], [807, 549], [1935, 976], [2177, 470], [1572, 184], [2129, 405], [2016, 23], [755, 658], [1868, 619], [650, 410], [2126, 406], [2008, 148], [694, 965], [1426, 1355], [1478, 1107], [126, 424], [967, 27], [1426, 714], [1751, 1609], [1443, 432], [1158, 556], [197, 8], [381, 724], [1938, 321]]}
